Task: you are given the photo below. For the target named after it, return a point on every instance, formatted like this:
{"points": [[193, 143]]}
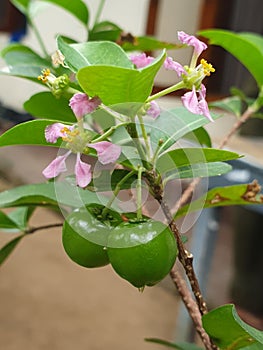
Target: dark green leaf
{"points": [[93, 53], [77, 8], [8, 248], [118, 85], [188, 156], [222, 196], [178, 346], [105, 30], [147, 43], [171, 125], [45, 105], [6, 222], [28, 133], [108, 180], [228, 331], [21, 216], [246, 47], [49, 194], [200, 136]]}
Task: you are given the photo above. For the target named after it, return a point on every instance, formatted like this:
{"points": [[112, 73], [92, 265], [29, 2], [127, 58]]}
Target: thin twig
{"points": [[191, 306], [44, 227]]}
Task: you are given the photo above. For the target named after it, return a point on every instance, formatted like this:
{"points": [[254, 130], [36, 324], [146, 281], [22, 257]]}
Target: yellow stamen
{"points": [[45, 74], [208, 68]]}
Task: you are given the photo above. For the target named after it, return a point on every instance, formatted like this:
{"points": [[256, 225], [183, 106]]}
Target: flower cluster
{"points": [[78, 141]]}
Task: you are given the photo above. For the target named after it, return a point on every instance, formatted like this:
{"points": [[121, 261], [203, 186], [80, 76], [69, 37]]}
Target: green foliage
{"points": [[228, 331], [7, 249], [246, 47], [178, 346], [110, 82]]}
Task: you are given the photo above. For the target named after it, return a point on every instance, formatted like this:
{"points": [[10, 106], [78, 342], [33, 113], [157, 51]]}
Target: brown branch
{"points": [[44, 227], [191, 307]]}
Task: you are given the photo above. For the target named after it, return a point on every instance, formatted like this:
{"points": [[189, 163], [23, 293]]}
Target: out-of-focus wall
{"points": [[130, 15]]}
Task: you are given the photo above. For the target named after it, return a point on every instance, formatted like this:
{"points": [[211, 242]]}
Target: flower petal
{"points": [[191, 40], [190, 101], [141, 60], [154, 109], [56, 167], [56, 130], [170, 64], [81, 104], [82, 172], [107, 152]]}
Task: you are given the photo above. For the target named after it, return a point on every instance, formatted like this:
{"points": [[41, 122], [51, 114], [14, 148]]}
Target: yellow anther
{"points": [[65, 130], [45, 74], [208, 68]]}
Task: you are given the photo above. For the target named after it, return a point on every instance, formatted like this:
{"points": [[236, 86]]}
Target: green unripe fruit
{"points": [[142, 253], [85, 239]]}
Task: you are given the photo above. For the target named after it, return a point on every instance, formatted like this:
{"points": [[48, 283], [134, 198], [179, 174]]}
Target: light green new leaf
{"points": [[8, 248], [246, 47], [173, 124], [93, 53], [189, 156], [77, 8], [118, 85], [23, 62], [228, 331], [222, 196], [28, 133], [178, 346], [45, 105]]}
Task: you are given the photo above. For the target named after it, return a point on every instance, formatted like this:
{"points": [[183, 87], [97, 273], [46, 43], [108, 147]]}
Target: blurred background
{"points": [[46, 300]]}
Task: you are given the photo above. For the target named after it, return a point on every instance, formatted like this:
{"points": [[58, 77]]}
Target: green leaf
{"points": [[8, 248], [108, 180], [228, 331], [178, 346], [23, 62], [200, 136], [105, 30], [189, 156], [21, 216], [116, 84], [49, 194], [146, 43], [199, 170], [45, 105], [246, 47], [171, 125], [231, 104], [28, 133], [21, 5], [6, 222], [93, 53], [222, 196], [77, 8]]}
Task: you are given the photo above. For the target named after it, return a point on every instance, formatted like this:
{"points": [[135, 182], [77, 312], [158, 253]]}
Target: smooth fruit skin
{"points": [[143, 253], [84, 239]]}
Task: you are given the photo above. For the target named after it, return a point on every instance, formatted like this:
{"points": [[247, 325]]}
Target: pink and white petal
{"points": [[190, 40], [53, 132], [154, 110], [141, 60], [107, 152], [190, 101], [170, 64], [56, 167], [82, 172], [81, 104]]}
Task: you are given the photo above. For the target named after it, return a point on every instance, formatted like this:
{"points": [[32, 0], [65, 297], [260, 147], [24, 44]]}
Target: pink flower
{"points": [[107, 152], [141, 60], [56, 130], [191, 40], [154, 110], [170, 64], [197, 103], [81, 104]]}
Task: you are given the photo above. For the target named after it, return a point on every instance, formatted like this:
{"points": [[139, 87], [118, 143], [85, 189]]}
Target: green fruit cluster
{"points": [[142, 253]]}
